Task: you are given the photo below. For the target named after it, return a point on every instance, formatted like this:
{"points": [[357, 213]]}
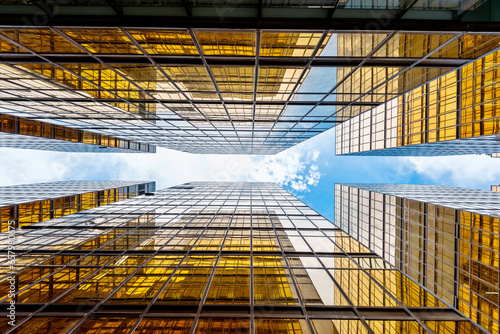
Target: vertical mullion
{"points": [[456, 260], [425, 245], [425, 129], [252, 281], [459, 104], [255, 83]]}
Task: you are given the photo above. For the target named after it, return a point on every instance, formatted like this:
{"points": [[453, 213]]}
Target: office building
{"points": [[252, 77], [27, 204], [441, 237], [453, 114], [212, 257], [17, 132]]}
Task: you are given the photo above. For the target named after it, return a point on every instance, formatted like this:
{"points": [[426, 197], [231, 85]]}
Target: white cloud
{"points": [[464, 171], [29, 166], [294, 168]]}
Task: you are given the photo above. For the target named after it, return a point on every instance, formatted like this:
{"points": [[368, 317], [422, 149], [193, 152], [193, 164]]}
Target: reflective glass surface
{"points": [[453, 114], [210, 257], [229, 90], [26, 204], [446, 239]]}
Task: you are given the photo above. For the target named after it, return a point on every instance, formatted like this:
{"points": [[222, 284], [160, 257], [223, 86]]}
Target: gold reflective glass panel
{"points": [[273, 286], [40, 41], [360, 45], [164, 325], [142, 287], [230, 285], [47, 325], [103, 41], [234, 79], [281, 326], [281, 44], [190, 78], [165, 42], [223, 325], [186, 286], [226, 43], [338, 326], [107, 325]]}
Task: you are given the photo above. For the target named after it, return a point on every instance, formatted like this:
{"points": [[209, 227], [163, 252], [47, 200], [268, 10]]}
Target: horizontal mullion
{"points": [[187, 60], [278, 103], [225, 311], [175, 252]]}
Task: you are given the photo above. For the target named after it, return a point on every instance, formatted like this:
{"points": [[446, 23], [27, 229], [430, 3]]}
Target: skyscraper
{"points": [[17, 132], [212, 257], [27, 204], [252, 77], [445, 238], [455, 113]]}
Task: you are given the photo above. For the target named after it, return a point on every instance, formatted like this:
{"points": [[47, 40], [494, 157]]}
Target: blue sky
{"points": [[308, 170]]}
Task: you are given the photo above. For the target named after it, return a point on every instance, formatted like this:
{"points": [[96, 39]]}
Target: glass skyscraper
{"points": [[445, 238], [18, 132], [211, 257], [252, 77], [27, 204], [398, 77], [453, 114]]}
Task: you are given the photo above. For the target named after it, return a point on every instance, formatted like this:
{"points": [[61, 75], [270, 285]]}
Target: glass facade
{"points": [[390, 76], [455, 113], [27, 204], [17, 132], [446, 239], [206, 90], [211, 257]]}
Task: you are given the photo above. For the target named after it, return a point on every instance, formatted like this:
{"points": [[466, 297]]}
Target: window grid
{"points": [[439, 236], [219, 90], [293, 265]]}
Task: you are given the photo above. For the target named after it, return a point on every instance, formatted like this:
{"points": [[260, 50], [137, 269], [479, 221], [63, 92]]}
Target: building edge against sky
{"points": [[26, 204], [228, 78], [454, 114], [184, 255], [445, 238], [18, 132]]}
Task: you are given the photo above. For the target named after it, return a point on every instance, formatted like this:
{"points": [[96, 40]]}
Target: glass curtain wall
{"points": [[208, 90], [32, 203], [453, 114], [443, 238], [212, 257]]}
